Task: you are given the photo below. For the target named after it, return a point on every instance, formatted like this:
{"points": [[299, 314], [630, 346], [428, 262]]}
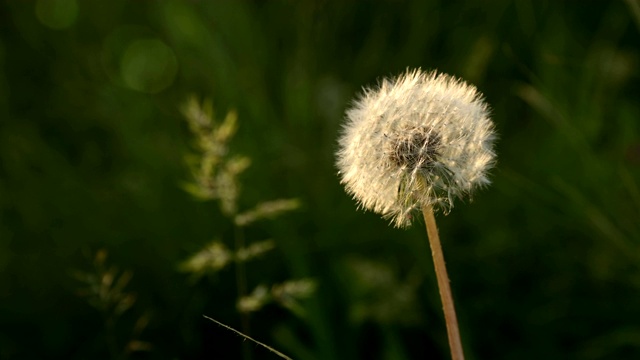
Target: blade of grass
{"points": [[249, 338]]}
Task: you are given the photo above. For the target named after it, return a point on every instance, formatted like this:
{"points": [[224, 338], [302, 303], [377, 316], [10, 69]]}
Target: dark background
{"points": [[545, 263]]}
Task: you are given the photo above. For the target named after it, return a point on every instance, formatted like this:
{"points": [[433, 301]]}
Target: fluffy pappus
{"points": [[422, 138]]}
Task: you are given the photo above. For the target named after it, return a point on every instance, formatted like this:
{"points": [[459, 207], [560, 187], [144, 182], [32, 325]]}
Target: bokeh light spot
{"points": [[148, 65], [57, 14]]}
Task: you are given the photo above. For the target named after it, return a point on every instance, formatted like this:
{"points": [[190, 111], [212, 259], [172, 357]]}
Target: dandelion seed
{"points": [[418, 139]]}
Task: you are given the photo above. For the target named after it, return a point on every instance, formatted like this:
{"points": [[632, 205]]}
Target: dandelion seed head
{"points": [[418, 139]]}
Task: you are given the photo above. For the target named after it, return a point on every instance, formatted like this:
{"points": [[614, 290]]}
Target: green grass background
{"points": [[545, 263]]}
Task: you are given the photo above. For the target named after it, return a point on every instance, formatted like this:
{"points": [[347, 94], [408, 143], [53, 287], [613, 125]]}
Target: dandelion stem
{"points": [[443, 284]]}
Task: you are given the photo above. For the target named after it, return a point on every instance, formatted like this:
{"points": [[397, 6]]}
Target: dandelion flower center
{"points": [[418, 150]]}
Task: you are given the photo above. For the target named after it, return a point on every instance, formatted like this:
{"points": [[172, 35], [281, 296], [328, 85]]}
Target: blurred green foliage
{"points": [[545, 264], [216, 174]]}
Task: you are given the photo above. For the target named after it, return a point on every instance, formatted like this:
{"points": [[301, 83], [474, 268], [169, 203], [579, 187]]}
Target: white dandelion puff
{"points": [[420, 139]]}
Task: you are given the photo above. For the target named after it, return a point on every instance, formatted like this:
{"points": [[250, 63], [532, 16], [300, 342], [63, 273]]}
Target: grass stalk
{"points": [[249, 338], [443, 284], [241, 283]]}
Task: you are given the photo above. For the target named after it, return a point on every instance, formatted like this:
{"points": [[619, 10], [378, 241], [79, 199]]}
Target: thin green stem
{"points": [[250, 338], [241, 283], [443, 284]]}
